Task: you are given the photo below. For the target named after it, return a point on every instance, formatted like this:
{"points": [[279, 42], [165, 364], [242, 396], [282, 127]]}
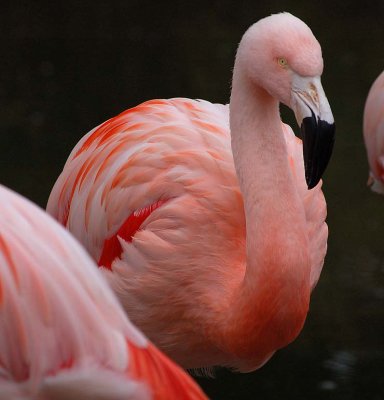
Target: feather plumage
{"points": [[221, 272], [63, 334]]}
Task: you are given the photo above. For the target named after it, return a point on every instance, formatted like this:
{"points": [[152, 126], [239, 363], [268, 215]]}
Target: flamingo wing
{"points": [[63, 333], [125, 166]]}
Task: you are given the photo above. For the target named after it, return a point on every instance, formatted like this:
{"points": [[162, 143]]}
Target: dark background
{"points": [[68, 66]]}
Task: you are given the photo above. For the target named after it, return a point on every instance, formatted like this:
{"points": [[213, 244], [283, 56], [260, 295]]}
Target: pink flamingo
{"points": [[200, 213], [373, 128], [63, 334]]}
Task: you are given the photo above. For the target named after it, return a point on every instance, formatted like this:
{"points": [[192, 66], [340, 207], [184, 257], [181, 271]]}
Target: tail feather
{"points": [[166, 379]]}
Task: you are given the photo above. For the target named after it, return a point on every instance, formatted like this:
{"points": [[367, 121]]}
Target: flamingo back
{"points": [[150, 152]]}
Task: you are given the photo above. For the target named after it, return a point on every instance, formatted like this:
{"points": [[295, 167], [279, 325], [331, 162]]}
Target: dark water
{"points": [[67, 66]]}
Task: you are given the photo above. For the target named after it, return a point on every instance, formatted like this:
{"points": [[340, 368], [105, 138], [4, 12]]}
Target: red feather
{"points": [[112, 247]]}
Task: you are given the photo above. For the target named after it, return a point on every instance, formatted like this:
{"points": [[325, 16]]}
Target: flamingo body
{"points": [[63, 333], [373, 128], [160, 196]]}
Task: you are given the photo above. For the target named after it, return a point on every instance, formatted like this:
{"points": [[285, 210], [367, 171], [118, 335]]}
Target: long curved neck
{"points": [[276, 280], [271, 202], [260, 155]]}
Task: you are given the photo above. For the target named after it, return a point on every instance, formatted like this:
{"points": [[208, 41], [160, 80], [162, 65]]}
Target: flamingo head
{"points": [[282, 56]]}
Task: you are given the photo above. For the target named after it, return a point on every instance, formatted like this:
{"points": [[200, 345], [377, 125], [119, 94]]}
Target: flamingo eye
{"points": [[282, 62]]}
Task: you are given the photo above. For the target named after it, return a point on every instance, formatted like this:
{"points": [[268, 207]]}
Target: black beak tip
{"points": [[318, 139], [311, 183]]}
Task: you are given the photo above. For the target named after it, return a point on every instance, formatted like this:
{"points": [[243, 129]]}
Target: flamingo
{"points": [[199, 214], [373, 128], [63, 333]]}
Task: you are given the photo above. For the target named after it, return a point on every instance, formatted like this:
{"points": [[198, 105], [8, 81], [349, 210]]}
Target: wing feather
{"points": [[63, 333]]}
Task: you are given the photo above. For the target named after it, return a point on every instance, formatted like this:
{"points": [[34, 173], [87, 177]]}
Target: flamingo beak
{"points": [[315, 118]]}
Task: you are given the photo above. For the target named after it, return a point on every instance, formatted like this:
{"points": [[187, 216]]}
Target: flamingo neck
{"points": [[272, 205], [270, 306]]}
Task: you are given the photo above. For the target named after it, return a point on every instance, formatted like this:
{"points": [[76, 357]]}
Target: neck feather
{"points": [[270, 305]]}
